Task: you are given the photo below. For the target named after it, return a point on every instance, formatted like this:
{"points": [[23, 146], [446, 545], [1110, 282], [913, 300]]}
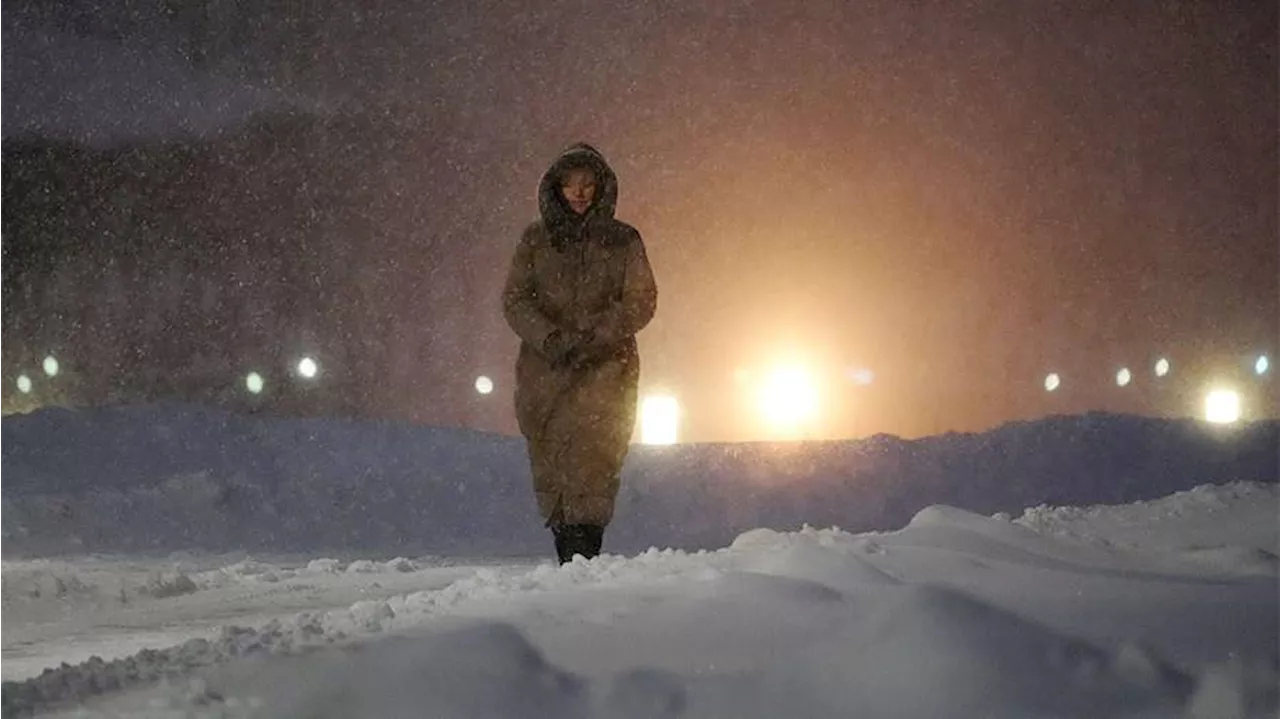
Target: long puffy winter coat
{"points": [[589, 274]]}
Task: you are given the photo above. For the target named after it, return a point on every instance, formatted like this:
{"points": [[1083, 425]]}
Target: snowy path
{"points": [[69, 610], [1166, 608]]}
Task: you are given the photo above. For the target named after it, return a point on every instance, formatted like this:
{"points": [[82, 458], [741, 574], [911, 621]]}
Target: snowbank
{"points": [[165, 478]]}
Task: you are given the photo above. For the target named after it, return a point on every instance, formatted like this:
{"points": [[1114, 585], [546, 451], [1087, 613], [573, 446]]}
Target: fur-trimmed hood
{"points": [[561, 221]]}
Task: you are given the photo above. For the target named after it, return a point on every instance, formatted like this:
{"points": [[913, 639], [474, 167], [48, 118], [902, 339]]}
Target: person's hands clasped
{"points": [[567, 347]]}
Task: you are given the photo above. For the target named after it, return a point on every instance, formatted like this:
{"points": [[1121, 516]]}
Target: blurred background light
{"points": [[308, 368], [1052, 382], [788, 399], [659, 420], [254, 383], [862, 376], [1162, 367], [1222, 406]]}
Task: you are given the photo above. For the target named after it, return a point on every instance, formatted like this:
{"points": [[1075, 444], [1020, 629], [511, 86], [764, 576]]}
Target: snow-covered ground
{"points": [[1165, 606]]}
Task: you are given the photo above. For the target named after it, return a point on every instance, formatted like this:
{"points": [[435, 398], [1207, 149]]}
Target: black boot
{"points": [[592, 539], [584, 539], [566, 541]]}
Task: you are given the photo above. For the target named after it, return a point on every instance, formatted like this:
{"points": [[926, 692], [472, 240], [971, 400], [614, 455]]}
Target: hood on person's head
{"points": [[556, 213]]}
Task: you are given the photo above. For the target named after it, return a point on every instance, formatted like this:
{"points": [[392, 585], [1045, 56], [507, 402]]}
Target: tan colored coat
{"points": [[578, 274]]}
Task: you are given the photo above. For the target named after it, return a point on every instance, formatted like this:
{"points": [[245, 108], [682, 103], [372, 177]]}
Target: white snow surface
{"points": [[1161, 608]]}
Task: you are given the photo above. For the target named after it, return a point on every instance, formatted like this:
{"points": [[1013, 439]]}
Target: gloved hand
{"points": [[564, 347]]}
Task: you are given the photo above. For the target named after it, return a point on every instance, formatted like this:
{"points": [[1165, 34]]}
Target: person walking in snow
{"points": [[579, 289]]}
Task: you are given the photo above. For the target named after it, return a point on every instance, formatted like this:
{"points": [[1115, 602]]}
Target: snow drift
{"points": [[259, 569]]}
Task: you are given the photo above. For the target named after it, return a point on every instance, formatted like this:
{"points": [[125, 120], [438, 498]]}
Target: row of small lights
{"points": [[50, 367], [307, 368], [1124, 376], [1224, 404], [1052, 381]]}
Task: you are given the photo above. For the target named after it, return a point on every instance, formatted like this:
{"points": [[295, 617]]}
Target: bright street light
{"points": [[484, 385], [1124, 377], [1222, 406], [24, 384], [50, 366], [789, 397], [1262, 365], [659, 420]]}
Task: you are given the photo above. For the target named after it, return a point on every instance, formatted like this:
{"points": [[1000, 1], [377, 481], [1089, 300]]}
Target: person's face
{"points": [[579, 189]]}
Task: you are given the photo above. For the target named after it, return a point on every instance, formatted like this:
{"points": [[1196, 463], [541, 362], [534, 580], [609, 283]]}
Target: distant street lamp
{"points": [[1124, 377], [484, 385], [1162, 367], [50, 366], [24, 384], [1052, 382], [254, 383], [307, 368], [1262, 365]]}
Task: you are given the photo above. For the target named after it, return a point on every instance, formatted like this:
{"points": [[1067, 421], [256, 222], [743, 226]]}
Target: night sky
{"points": [[960, 196]]}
